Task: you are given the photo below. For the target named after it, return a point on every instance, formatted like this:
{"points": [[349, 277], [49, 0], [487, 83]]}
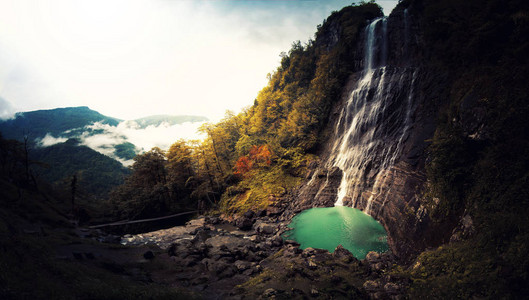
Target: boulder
{"points": [[309, 252], [148, 255], [244, 223], [276, 241], [341, 253], [249, 214], [372, 257], [391, 288], [270, 292], [227, 246], [266, 228], [294, 243], [371, 286], [242, 265]]}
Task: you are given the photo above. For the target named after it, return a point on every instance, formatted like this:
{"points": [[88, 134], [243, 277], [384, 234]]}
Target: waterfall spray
{"points": [[372, 127]]}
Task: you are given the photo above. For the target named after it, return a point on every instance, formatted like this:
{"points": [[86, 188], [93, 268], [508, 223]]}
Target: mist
{"points": [[103, 137]]}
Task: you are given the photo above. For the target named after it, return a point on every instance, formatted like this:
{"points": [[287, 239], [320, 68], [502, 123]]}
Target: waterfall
{"points": [[372, 126]]}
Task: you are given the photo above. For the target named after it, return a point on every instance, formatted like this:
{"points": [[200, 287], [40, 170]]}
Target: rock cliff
{"points": [[375, 155]]}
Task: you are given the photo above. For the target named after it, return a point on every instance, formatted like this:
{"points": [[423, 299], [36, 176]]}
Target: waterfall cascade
{"points": [[372, 126]]}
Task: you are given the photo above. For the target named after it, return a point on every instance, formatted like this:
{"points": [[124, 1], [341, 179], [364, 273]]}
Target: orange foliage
{"points": [[243, 165], [258, 156]]}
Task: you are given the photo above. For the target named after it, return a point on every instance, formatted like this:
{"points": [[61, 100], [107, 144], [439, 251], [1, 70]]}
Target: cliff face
{"points": [[429, 135], [376, 152]]}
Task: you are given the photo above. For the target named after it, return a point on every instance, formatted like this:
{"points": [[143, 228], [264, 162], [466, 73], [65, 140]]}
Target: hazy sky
{"points": [[133, 58]]}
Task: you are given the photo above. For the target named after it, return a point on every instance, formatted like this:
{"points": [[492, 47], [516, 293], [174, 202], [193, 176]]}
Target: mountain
{"points": [[99, 132], [81, 141], [429, 136], [56, 122]]}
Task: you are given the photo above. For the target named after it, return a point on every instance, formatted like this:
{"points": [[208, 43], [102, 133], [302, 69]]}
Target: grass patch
{"points": [[258, 189]]}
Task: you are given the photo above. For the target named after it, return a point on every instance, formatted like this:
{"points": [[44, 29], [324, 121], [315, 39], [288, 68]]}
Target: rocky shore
{"points": [[246, 258]]}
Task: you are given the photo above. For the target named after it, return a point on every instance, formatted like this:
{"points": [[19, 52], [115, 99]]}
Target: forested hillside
{"points": [[252, 158], [36, 124], [96, 173]]}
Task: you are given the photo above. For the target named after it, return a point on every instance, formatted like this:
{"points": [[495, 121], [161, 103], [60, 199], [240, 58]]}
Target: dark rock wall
{"points": [[397, 200]]}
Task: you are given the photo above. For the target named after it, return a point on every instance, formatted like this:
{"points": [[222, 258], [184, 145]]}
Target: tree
{"points": [[259, 156]]}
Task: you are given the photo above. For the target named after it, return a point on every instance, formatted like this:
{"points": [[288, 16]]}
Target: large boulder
{"points": [[341, 253], [265, 228]]}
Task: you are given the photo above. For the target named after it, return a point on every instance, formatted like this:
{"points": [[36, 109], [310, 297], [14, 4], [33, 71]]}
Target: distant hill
{"points": [[68, 142], [97, 174], [168, 119], [60, 124], [56, 122]]}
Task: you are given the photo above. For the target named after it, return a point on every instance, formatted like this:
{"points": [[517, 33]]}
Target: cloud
{"points": [[7, 110], [180, 57], [103, 137], [49, 140]]}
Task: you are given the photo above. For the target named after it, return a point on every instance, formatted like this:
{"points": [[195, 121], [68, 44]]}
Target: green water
{"points": [[328, 227]]}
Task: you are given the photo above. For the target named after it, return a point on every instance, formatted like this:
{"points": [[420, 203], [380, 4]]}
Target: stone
{"points": [[266, 228], [249, 214], [189, 262], [292, 242], [297, 293], [212, 220], [270, 292], [372, 257], [341, 253], [391, 288], [272, 211], [464, 230], [371, 286], [276, 241], [379, 266], [311, 252], [227, 272], [249, 272], [244, 223], [148, 255], [202, 235], [226, 245], [312, 265], [242, 265]]}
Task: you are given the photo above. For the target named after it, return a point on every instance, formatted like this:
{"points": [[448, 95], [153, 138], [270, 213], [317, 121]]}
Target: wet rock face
{"points": [[391, 178]]}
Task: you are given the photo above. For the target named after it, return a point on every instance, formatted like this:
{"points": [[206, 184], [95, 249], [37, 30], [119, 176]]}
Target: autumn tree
{"points": [[259, 156]]}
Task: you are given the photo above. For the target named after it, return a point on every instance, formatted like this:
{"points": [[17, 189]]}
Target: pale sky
{"points": [[133, 58]]}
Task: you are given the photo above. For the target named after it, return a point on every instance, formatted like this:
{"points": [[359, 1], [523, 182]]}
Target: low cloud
{"points": [[103, 137], [50, 140]]}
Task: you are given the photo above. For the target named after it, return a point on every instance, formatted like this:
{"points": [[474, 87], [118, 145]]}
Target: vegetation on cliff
{"points": [[479, 162]]}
